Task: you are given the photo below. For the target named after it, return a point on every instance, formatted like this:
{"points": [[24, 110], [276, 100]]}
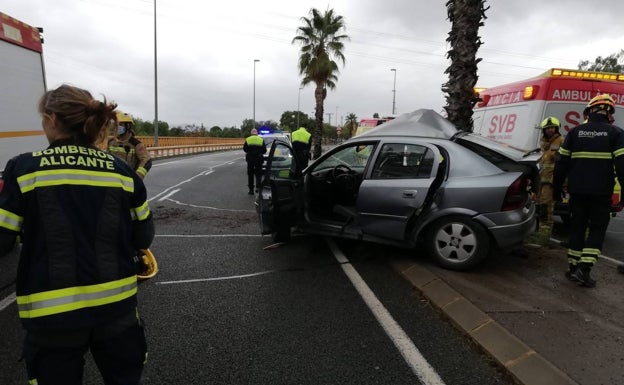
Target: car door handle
{"points": [[409, 193]]}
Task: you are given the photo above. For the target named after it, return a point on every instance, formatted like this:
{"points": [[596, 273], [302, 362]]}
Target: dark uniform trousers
{"points": [[591, 212], [56, 357], [254, 172]]}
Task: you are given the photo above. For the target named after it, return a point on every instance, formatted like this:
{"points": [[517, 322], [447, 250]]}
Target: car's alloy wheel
{"points": [[457, 242]]}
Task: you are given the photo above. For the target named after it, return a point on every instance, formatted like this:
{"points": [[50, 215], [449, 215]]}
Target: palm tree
{"points": [[466, 17], [351, 123], [321, 41]]}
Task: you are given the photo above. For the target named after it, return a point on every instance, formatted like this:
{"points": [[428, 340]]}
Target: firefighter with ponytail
{"points": [[591, 156], [81, 214]]}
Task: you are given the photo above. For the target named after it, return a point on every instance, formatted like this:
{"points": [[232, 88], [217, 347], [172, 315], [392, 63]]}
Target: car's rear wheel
{"points": [[457, 242]]}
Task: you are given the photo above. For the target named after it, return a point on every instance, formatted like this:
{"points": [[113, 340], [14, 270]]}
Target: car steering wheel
{"points": [[345, 181]]}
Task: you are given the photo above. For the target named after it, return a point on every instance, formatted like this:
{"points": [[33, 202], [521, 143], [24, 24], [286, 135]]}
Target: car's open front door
{"points": [[277, 199]]}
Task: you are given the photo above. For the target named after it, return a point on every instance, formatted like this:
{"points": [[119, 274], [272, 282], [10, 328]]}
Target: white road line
{"points": [[7, 301], [216, 278], [206, 207], [207, 235], [168, 195], [403, 343], [165, 191]]}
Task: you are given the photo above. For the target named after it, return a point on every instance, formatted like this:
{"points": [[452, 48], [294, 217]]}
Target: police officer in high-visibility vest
{"points": [[301, 146], [80, 214], [254, 148], [588, 157]]}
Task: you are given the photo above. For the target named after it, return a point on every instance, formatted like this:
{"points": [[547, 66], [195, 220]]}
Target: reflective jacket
{"points": [[588, 157], [81, 213], [301, 143], [133, 152], [550, 148], [254, 147]]}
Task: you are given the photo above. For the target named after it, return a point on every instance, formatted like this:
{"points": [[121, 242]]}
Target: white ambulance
{"points": [[511, 113]]}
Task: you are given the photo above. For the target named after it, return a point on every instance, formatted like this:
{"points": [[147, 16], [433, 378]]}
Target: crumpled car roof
{"points": [[422, 122]]}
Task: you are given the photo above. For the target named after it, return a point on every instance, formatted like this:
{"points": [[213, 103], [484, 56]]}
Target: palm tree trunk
{"points": [[317, 136]]}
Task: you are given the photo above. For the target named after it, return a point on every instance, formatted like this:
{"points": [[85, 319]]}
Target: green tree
{"points": [[351, 124], [466, 16], [321, 41], [216, 131], [612, 63]]}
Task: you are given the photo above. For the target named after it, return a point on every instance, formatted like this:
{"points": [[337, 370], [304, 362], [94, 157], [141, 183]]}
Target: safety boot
{"points": [[582, 276], [570, 273]]}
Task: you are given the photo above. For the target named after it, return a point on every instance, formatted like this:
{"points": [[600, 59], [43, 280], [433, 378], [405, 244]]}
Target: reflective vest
{"points": [[550, 147], [74, 209], [133, 152], [301, 135], [254, 147]]}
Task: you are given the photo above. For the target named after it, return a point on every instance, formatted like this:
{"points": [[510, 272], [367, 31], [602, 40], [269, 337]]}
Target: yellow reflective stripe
{"points": [[140, 213], [564, 152], [574, 253], [618, 152], [10, 221], [33, 382], [254, 140], [29, 182], [591, 251], [74, 298], [141, 171], [588, 259], [591, 155]]}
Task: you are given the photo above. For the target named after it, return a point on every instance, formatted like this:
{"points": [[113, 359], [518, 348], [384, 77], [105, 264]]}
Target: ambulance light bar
{"points": [[529, 92], [587, 74]]}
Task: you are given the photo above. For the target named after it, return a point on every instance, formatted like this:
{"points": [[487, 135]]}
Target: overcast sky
{"points": [[206, 52]]}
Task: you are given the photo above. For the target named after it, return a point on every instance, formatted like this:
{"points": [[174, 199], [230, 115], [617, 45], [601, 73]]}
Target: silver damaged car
{"points": [[412, 182]]}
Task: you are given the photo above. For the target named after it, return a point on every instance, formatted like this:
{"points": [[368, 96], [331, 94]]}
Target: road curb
{"points": [[524, 364]]}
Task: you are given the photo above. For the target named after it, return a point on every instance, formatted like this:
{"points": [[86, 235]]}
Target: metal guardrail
{"points": [[168, 151], [169, 146]]}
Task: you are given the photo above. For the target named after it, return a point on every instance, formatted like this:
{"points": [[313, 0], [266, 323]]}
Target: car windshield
{"points": [[355, 156]]}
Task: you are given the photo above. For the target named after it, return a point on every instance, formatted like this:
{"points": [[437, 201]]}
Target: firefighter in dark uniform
{"points": [[80, 214], [588, 157], [254, 148], [301, 146]]}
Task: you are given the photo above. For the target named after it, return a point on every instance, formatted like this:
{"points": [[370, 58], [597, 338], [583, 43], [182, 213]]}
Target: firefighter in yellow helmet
{"points": [[549, 144], [127, 147], [588, 157]]}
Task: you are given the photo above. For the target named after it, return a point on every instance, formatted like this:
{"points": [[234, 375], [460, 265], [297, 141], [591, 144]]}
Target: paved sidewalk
{"points": [[522, 311]]}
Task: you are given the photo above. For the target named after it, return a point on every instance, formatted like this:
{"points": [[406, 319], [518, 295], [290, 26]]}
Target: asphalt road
{"points": [[224, 310]]}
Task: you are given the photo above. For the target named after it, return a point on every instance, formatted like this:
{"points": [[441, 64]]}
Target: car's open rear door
{"points": [[277, 199]]}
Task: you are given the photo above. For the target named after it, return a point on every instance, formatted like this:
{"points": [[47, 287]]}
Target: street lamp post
{"points": [[254, 93], [155, 81], [393, 90], [298, 99]]}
